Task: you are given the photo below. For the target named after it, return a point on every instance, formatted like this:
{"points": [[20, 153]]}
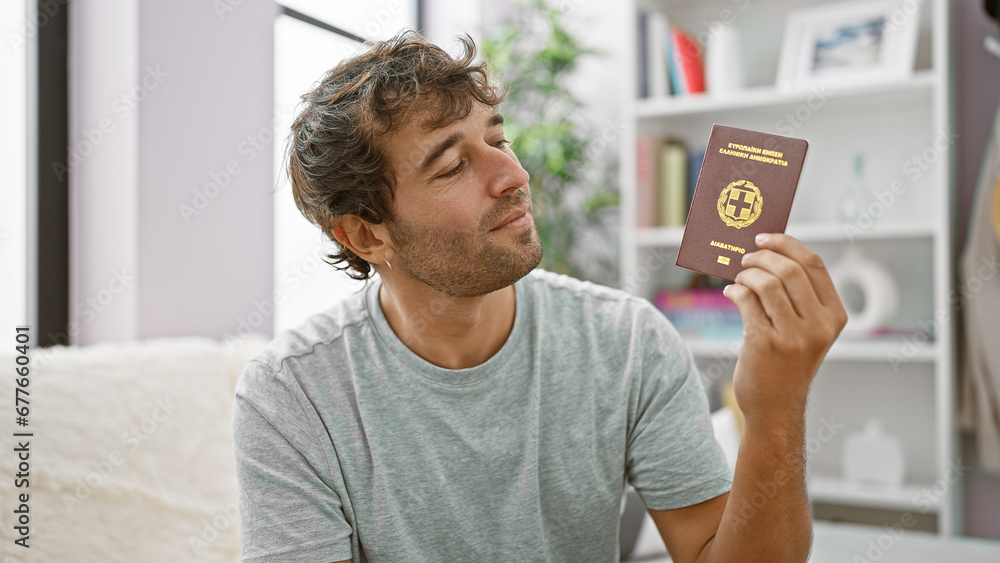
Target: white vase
{"points": [[872, 457], [723, 61], [876, 286]]}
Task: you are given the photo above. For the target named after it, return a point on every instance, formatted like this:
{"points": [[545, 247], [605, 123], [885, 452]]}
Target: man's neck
{"points": [[449, 332]]}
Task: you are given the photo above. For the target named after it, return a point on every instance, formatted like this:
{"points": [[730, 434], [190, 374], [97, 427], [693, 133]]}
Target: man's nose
{"points": [[506, 173]]}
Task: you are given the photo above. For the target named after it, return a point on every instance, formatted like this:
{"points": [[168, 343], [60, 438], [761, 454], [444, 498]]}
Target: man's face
{"points": [[460, 194]]}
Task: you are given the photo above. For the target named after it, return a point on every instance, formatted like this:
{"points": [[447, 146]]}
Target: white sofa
{"points": [[131, 455], [131, 458]]}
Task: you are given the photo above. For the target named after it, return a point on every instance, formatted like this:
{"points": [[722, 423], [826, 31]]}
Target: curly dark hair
{"points": [[336, 159]]}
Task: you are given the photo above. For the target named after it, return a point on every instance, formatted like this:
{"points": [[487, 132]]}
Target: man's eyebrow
{"points": [[440, 150], [494, 120]]}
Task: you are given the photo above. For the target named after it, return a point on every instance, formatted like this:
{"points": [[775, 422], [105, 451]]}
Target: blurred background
{"points": [[144, 193]]}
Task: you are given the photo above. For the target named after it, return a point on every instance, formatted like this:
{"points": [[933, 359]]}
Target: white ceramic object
{"points": [[723, 60], [872, 457], [877, 286]]}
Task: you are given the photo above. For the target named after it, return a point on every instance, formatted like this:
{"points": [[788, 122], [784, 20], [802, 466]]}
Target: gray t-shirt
{"points": [[350, 446]]}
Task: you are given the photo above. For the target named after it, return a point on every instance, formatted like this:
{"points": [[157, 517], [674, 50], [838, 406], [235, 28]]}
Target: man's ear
{"points": [[370, 242]]}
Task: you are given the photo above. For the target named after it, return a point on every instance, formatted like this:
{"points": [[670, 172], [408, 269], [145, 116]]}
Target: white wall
{"points": [[445, 19], [210, 120], [102, 167], [170, 209]]}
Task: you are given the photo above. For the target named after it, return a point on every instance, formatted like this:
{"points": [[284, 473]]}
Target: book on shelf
{"points": [[662, 182], [669, 60], [673, 185], [653, 60], [647, 181], [695, 160], [701, 313], [642, 52], [658, 41], [687, 72]]}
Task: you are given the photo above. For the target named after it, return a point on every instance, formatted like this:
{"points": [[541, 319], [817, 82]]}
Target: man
{"points": [[467, 407]]}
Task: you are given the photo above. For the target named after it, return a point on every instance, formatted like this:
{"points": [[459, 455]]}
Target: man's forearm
{"points": [[791, 314], [767, 516]]}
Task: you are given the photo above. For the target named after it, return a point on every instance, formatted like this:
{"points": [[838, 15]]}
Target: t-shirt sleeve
{"points": [[289, 510], [673, 459]]}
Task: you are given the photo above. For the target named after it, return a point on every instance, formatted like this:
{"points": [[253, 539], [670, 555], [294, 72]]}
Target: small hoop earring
{"points": [[387, 263]]}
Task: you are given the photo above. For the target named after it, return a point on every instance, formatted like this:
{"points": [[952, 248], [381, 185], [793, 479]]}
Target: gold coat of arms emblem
{"points": [[740, 204]]}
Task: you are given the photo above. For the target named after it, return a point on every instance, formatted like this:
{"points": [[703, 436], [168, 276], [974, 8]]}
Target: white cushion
{"points": [[131, 458]]}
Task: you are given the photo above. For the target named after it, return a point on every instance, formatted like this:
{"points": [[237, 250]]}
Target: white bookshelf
{"points": [[835, 491], [810, 234], [845, 349], [766, 97], [890, 122]]}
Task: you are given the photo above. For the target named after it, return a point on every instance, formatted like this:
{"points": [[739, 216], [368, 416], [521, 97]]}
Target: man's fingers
{"points": [[792, 275], [770, 291], [811, 263], [751, 310]]}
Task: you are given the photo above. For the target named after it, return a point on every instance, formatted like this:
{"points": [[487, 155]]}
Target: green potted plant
{"points": [[574, 193]]}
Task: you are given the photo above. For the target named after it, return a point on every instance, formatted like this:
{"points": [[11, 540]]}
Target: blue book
{"points": [[694, 169]]}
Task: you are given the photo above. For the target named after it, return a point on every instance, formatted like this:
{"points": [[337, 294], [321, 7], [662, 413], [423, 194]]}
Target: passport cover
{"points": [[746, 187]]}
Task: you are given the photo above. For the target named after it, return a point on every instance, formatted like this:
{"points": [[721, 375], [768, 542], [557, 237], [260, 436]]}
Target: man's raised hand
{"points": [[791, 316]]}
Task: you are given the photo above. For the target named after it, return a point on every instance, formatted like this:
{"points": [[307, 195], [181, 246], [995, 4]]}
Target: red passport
{"points": [[746, 186]]}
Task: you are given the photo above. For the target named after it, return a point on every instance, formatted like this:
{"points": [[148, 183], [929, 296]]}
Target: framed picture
{"points": [[848, 43]]}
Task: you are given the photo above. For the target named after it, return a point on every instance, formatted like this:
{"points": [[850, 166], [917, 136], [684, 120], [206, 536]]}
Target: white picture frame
{"points": [[848, 43]]}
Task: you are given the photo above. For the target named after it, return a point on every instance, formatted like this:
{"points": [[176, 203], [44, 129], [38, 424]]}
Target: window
{"points": [[34, 199], [13, 161], [310, 37]]}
